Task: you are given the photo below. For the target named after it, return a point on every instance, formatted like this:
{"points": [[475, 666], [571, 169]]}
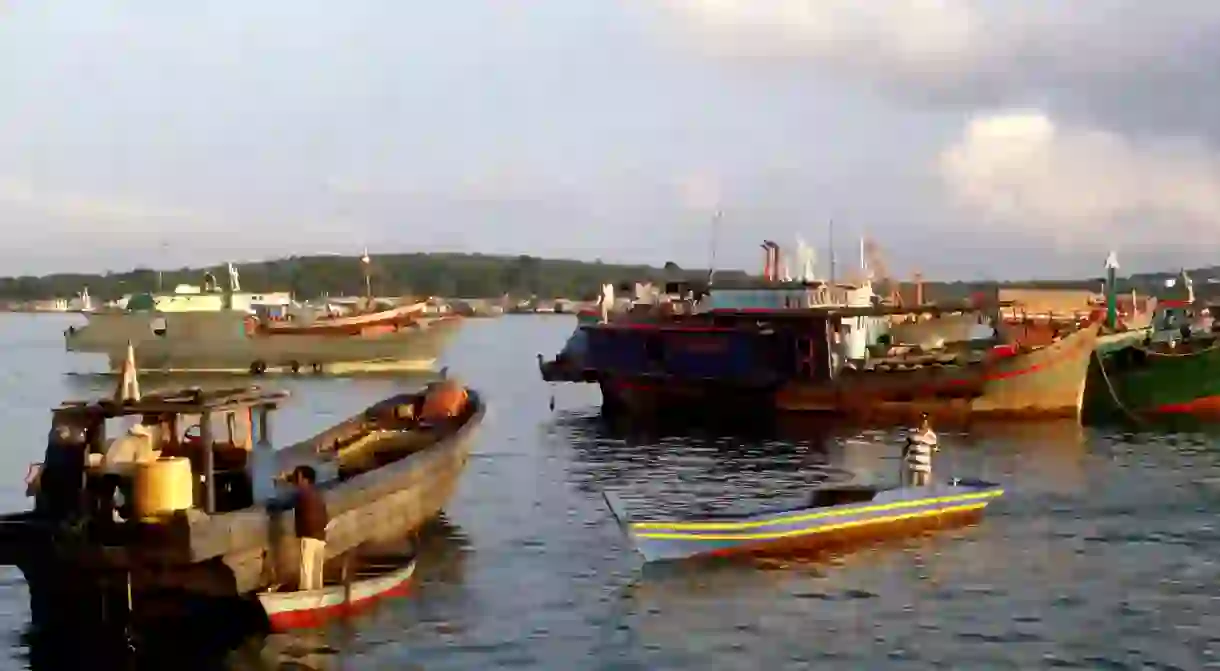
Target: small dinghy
{"points": [[338, 598], [834, 516]]}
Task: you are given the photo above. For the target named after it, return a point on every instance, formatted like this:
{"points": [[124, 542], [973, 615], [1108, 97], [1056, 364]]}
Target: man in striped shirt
{"points": [[917, 457]]}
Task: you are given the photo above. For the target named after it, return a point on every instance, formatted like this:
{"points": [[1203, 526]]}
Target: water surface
{"points": [[1102, 555]]}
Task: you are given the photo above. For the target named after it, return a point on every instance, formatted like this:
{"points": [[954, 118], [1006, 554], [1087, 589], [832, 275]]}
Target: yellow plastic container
{"points": [[163, 486]]}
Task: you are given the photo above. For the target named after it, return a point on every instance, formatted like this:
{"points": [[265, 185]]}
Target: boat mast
{"points": [[365, 262], [711, 256], [1111, 291]]}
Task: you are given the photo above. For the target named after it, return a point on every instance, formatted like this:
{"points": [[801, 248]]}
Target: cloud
{"points": [[1022, 171], [85, 212], [1127, 64], [913, 33]]}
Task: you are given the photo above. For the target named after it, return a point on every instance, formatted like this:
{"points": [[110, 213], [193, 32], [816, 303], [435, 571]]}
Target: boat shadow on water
{"points": [[83, 626]]}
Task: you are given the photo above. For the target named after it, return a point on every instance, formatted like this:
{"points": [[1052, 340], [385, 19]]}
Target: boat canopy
{"points": [[141, 302]]}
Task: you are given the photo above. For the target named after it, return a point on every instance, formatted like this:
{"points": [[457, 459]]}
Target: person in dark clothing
{"points": [[311, 521]]}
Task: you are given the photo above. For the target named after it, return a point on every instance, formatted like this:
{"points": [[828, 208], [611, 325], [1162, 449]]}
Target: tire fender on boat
{"points": [[258, 367]]}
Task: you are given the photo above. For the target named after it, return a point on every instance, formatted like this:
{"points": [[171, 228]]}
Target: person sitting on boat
{"points": [[311, 519], [139, 445], [917, 456], [442, 401]]}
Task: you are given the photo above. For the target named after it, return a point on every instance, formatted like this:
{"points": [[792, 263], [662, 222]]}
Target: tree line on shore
{"points": [[470, 276], [419, 274]]}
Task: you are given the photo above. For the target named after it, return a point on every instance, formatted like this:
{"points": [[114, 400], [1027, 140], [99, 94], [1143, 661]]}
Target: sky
{"points": [[972, 139]]}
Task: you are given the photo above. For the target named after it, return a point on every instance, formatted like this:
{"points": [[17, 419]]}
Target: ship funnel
{"points": [[771, 263]]}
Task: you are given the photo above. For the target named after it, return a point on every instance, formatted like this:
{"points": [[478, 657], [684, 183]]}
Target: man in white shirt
{"points": [[139, 444], [917, 457]]}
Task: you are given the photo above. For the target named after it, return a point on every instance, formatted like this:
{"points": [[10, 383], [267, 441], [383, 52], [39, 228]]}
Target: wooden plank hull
{"points": [[1141, 380], [891, 511], [220, 342], [239, 552], [297, 610], [353, 325], [1048, 382]]}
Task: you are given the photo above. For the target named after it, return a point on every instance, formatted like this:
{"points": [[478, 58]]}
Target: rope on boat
{"points": [[1150, 352], [1113, 392]]}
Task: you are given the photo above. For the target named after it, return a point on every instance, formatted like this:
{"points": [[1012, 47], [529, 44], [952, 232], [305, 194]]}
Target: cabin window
{"points": [[158, 326]]}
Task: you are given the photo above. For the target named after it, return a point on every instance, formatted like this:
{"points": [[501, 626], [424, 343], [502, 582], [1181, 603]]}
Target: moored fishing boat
{"points": [[797, 360], [1022, 383], [834, 516], [203, 508], [1152, 377], [1174, 369], [363, 323], [219, 330]]}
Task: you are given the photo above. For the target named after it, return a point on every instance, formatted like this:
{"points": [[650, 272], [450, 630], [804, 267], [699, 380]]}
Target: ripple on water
{"points": [[1101, 555]]}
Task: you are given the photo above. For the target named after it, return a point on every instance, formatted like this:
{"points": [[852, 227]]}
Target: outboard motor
{"points": [[61, 479]]}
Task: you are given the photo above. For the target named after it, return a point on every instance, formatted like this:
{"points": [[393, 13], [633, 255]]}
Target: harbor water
{"points": [[1102, 555]]}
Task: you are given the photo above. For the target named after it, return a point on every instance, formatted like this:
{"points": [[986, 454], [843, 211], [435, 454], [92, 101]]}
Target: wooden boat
{"points": [[382, 474], [834, 516], [287, 610], [357, 324], [790, 360], [1042, 382], [1157, 378]]}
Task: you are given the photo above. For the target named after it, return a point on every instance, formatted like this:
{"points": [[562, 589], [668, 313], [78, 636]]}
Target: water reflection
{"points": [[72, 626]]}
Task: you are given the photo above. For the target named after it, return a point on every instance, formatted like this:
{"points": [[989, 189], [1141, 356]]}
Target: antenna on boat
{"points": [[832, 251], [711, 256]]}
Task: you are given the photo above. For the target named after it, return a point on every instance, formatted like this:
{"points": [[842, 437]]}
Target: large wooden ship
{"points": [[794, 360], [208, 512], [221, 334]]}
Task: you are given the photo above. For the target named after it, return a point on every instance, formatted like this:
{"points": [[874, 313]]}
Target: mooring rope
{"points": [[1113, 392], [1215, 345]]}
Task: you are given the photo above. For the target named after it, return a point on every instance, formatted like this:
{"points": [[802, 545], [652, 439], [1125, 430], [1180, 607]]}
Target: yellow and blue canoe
{"points": [[834, 516]]}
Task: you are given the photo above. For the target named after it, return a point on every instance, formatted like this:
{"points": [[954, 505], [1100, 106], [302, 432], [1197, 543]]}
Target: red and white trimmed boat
{"points": [[357, 324], [303, 610]]}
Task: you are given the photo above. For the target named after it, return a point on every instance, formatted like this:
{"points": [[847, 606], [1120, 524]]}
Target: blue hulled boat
{"points": [[835, 516]]}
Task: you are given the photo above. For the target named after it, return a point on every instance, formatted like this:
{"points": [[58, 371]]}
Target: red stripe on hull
{"points": [[309, 619], [1208, 405]]}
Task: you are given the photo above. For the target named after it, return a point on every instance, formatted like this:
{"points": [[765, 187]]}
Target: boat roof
{"points": [[865, 310], [186, 401], [833, 311]]}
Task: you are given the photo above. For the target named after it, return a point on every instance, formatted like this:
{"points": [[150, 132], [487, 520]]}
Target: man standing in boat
{"points": [[917, 456], [311, 521]]}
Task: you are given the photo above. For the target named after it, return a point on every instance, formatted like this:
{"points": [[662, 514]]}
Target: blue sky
{"points": [[971, 139]]}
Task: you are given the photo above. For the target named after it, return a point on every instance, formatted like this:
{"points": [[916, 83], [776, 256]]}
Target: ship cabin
{"points": [[181, 451], [746, 346]]}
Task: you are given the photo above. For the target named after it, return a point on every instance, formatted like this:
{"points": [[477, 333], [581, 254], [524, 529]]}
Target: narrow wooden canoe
{"points": [[834, 516], [300, 610]]}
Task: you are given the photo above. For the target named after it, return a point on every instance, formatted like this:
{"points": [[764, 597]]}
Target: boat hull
{"points": [[395, 482], [301, 610], [353, 325], [1145, 381], [219, 342], [892, 512], [1048, 382]]}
